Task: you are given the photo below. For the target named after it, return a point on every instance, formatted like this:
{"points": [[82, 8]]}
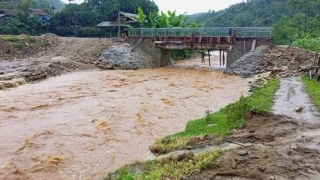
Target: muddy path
{"points": [[83, 124], [291, 96], [283, 146]]}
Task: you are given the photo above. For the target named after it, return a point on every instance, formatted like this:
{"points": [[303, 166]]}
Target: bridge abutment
{"points": [[242, 47], [160, 56]]}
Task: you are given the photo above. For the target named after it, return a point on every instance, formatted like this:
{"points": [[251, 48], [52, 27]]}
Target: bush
{"points": [[309, 43], [181, 54]]}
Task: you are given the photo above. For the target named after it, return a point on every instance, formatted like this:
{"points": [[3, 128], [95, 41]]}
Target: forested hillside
{"points": [[56, 4], [254, 13], [295, 22], [73, 20]]}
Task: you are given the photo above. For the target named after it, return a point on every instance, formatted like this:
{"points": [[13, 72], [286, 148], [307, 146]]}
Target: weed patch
{"points": [[10, 38], [18, 46], [312, 87], [172, 170]]}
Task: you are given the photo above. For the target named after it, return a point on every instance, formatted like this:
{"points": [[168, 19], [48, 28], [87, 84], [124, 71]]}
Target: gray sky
{"points": [[194, 6], [189, 6]]}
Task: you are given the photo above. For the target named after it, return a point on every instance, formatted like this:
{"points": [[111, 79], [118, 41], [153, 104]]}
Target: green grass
{"points": [[155, 169], [18, 46], [219, 124], [312, 87], [30, 39], [19, 42], [10, 38]]}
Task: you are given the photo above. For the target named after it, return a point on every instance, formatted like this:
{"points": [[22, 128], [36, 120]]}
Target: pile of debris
{"points": [[279, 61], [249, 63], [286, 61], [121, 56]]}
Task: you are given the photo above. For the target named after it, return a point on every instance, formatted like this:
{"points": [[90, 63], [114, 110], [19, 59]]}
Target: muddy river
{"points": [[83, 124]]}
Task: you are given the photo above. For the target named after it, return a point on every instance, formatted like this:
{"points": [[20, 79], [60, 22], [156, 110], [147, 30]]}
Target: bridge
{"points": [[204, 38]]}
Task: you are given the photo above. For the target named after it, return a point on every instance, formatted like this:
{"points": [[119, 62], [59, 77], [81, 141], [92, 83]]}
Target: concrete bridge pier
{"points": [[160, 56], [165, 57]]}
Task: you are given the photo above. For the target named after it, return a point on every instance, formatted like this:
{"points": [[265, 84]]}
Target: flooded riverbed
{"points": [[84, 124]]}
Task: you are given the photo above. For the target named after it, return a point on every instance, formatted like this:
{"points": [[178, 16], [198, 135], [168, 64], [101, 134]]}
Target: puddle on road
{"points": [[83, 124], [292, 95]]}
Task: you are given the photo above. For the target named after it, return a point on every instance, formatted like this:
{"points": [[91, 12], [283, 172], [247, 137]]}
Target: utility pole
{"points": [[119, 20], [305, 17]]}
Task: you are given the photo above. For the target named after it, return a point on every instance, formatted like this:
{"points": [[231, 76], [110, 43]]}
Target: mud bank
{"points": [[48, 55]]}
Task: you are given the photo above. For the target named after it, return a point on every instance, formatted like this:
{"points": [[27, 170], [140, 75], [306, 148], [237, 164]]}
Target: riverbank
{"points": [[211, 130], [33, 58]]}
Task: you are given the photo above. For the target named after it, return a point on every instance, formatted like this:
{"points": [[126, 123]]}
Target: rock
{"points": [[276, 70], [242, 153], [299, 109], [177, 155], [233, 164], [262, 168], [212, 125]]}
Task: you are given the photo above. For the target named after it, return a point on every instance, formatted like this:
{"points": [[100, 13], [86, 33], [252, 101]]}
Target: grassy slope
{"points": [[312, 88], [155, 169], [228, 118], [219, 124]]}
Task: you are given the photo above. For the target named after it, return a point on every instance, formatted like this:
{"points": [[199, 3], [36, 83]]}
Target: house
{"points": [[121, 19], [6, 14], [39, 13]]}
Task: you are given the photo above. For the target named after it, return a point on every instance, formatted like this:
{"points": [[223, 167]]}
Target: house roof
{"points": [[8, 12], [110, 24], [38, 12], [124, 19], [124, 14]]}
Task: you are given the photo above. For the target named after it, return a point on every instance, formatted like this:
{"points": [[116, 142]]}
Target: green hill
{"points": [[57, 4], [253, 13], [11, 4]]}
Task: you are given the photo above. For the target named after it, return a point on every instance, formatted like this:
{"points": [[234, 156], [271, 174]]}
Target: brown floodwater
{"points": [[83, 124]]}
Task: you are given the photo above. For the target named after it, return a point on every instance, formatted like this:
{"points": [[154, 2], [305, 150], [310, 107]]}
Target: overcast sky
{"points": [[194, 6], [189, 6]]}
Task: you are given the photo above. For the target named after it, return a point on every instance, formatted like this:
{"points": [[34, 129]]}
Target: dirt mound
{"points": [[280, 61], [277, 152], [20, 47], [285, 61], [36, 58]]}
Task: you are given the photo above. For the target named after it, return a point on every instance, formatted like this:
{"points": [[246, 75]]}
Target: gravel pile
{"points": [[121, 57]]}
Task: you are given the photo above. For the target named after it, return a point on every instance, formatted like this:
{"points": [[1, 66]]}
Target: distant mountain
{"points": [[11, 4], [252, 13], [57, 4]]}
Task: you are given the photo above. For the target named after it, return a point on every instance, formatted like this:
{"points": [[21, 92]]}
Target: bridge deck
{"points": [[200, 38]]}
